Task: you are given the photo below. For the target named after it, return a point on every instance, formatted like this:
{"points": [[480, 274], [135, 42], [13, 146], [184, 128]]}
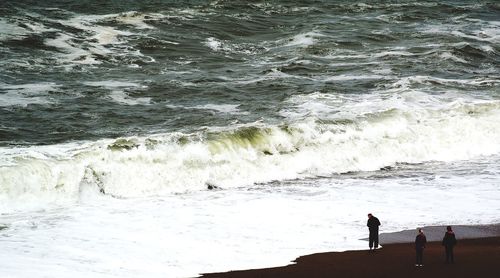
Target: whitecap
{"points": [[25, 94], [304, 40], [117, 92], [10, 30], [123, 98], [221, 108], [112, 84], [213, 43], [450, 56], [73, 53], [347, 77], [137, 19]]}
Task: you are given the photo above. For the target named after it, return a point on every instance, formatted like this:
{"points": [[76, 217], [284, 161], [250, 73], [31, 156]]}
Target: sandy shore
{"points": [[476, 255]]}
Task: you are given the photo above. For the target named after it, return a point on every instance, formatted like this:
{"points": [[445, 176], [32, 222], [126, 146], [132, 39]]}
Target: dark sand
{"points": [[477, 255]]}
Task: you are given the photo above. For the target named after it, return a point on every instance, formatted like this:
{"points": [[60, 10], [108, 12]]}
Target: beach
{"points": [[476, 256]]}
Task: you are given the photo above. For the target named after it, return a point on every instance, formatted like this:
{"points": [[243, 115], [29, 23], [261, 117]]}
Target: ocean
{"points": [[172, 138]]}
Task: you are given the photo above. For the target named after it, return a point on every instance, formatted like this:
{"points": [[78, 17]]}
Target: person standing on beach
{"points": [[420, 242], [373, 224], [449, 241]]}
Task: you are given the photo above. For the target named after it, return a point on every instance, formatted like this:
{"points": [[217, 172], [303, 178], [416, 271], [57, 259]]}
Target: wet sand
{"points": [[477, 254]]}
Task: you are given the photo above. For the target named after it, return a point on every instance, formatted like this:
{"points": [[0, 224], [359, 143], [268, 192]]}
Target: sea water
{"points": [[172, 138]]}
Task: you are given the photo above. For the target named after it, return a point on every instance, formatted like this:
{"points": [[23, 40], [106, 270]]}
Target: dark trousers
{"points": [[373, 239], [420, 256], [449, 253]]}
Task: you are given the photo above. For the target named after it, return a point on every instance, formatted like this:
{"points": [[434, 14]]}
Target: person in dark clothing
{"points": [[449, 241], [420, 242], [373, 224]]}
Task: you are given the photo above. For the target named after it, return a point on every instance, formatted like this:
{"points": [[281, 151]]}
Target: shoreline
{"points": [[476, 254], [435, 233]]}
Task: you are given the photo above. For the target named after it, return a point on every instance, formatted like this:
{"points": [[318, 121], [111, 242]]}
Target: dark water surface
{"points": [[84, 70]]}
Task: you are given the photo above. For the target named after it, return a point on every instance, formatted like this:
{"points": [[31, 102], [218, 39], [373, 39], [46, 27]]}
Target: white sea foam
{"points": [[18, 99], [274, 74], [479, 36], [450, 56], [304, 40], [406, 81], [123, 98], [384, 71], [73, 53], [345, 77], [403, 128], [213, 43], [25, 94], [483, 31], [223, 108], [214, 231], [100, 40], [221, 45], [10, 30], [347, 55], [137, 19], [117, 92], [394, 52], [113, 84], [16, 28]]}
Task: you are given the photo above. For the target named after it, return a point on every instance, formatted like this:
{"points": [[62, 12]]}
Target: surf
{"points": [[246, 154]]}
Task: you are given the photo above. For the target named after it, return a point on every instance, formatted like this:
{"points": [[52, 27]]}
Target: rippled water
{"points": [[88, 70]]}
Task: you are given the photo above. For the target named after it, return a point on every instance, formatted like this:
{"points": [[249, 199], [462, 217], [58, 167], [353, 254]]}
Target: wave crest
{"points": [[245, 155]]}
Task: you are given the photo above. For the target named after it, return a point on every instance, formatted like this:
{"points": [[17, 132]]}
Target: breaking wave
{"points": [[247, 154]]}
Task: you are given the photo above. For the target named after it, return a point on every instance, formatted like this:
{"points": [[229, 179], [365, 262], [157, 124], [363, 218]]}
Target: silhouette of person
{"points": [[420, 242], [373, 224], [449, 241]]}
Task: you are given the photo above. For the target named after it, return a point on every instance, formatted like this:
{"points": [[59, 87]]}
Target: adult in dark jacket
{"points": [[420, 242], [449, 241], [373, 224]]}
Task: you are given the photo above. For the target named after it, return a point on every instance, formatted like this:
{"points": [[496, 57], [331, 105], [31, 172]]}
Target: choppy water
{"points": [[116, 117]]}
